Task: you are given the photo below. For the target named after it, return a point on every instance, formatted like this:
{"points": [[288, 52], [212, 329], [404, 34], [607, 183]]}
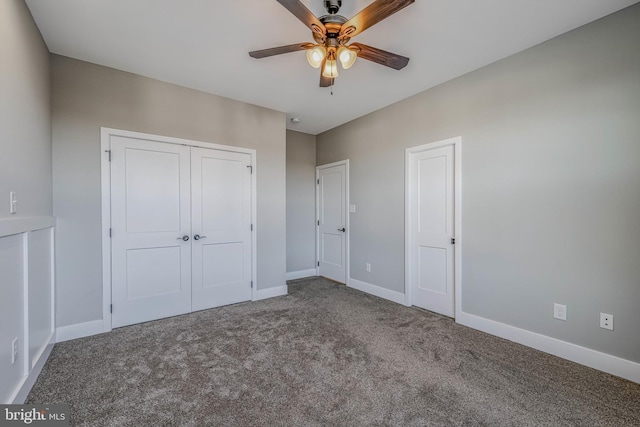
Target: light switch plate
{"points": [[13, 202], [352, 208]]}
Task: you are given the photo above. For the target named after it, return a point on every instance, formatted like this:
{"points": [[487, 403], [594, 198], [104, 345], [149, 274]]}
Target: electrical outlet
{"points": [[560, 311], [14, 350], [367, 267], [606, 321]]}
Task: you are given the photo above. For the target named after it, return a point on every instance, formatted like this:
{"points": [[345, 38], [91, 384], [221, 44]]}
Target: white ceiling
{"points": [[203, 44]]}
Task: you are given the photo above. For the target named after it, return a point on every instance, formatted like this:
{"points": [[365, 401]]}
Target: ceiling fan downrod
{"points": [[332, 6]]}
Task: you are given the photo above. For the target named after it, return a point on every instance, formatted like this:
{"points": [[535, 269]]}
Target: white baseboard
{"points": [[94, 327], [376, 290], [30, 380], [79, 330], [293, 275], [582, 355], [270, 293]]}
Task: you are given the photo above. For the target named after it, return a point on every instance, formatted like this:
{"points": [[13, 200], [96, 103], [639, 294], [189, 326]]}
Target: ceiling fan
{"points": [[332, 32]]}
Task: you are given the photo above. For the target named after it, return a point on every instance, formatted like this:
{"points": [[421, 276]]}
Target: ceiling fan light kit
{"points": [[316, 55], [330, 69], [332, 34], [347, 57]]}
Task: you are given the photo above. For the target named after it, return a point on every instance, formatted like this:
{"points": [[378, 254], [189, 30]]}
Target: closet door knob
{"points": [[185, 238], [198, 237]]}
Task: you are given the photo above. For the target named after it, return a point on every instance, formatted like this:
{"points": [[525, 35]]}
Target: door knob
{"points": [[342, 229], [185, 238], [198, 237]]}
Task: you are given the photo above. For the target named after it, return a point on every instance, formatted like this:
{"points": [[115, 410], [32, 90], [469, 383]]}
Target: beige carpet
{"points": [[323, 355]]}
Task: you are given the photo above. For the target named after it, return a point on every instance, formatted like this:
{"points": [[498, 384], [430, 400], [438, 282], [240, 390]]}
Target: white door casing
{"points": [[332, 220], [151, 263], [221, 224], [433, 226], [150, 272]]}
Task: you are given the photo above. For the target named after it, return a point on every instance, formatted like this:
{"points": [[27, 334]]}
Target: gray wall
{"points": [[25, 167], [87, 96], [301, 201], [550, 186], [25, 119]]}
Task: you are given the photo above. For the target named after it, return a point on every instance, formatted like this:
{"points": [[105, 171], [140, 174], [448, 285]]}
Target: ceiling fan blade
{"points": [[380, 56], [280, 50], [371, 15], [325, 81], [303, 14]]}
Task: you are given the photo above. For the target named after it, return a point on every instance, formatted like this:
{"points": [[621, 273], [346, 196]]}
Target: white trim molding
{"points": [[31, 379], [79, 330], [10, 226], [33, 351], [378, 291], [276, 291], [585, 356], [300, 274]]}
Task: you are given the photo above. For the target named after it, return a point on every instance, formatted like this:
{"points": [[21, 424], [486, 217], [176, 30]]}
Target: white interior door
{"points": [[181, 221], [221, 223], [332, 221], [150, 214], [433, 216]]}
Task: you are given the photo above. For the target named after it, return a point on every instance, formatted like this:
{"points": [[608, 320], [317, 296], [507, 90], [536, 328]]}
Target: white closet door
{"points": [[150, 214], [221, 224]]}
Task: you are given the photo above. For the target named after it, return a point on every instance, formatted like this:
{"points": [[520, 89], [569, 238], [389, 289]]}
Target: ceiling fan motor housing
{"points": [[332, 6]]}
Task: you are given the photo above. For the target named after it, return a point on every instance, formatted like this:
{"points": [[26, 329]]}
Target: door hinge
{"points": [[318, 181], [110, 232], [108, 153], [250, 169], [251, 227], [318, 263], [111, 308], [318, 222], [453, 241], [252, 284]]}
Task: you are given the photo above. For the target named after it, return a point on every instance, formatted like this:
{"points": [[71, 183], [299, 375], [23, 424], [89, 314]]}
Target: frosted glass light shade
{"points": [[330, 69], [347, 57], [316, 55]]}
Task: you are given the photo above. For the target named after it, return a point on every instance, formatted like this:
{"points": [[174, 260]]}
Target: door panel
{"points": [[222, 264], [432, 187], [332, 205], [152, 272], [221, 212], [152, 183], [433, 269], [150, 211], [433, 224], [222, 190], [332, 253]]}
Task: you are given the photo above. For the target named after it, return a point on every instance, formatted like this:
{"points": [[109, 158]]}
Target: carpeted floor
{"points": [[323, 355]]}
